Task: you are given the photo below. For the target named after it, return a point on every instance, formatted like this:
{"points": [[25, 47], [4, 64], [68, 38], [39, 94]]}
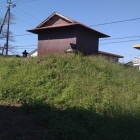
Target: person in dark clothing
{"points": [[25, 53]]}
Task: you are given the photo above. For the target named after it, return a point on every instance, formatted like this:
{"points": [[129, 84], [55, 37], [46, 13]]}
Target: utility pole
{"points": [[1, 26], [8, 23], [7, 16]]}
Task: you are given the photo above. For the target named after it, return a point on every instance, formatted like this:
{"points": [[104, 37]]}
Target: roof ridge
{"points": [[58, 14]]}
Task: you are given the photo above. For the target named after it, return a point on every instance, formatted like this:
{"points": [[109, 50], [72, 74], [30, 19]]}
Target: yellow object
{"points": [[136, 46]]}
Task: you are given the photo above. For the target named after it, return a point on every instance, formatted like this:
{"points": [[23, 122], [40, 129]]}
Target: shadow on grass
{"points": [[47, 123]]}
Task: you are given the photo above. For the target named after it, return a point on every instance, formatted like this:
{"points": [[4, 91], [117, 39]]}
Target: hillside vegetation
{"points": [[75, 97]]}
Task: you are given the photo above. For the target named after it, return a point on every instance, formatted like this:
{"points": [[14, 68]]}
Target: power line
{"points": [[17, 2], [25, 46], [25, 1], [127, 20], [24, 20], [120, 41], [115, 22], [90, 25], [25, 24], [3, 5], [21, 35], [17, 35], [28, 14], [24, 17], [20, 0], [119, 38], [100, 40]]}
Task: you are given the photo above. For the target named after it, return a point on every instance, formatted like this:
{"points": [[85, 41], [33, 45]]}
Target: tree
{"points": [[3, 36]]}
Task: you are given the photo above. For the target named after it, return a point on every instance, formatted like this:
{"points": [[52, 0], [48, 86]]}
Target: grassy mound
{"points": [[75, 97]]}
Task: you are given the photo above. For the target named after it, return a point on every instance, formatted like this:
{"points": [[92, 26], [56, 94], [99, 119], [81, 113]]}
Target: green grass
{"points": [[75, 97]]}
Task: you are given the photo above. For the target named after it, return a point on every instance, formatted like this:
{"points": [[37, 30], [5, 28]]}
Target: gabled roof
{"points": [[67, 22], [56, 14]]}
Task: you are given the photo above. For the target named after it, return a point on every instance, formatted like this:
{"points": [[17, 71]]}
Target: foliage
{"points": [[74, 94]]}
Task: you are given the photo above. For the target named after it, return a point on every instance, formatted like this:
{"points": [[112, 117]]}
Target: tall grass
{"points": [[69, 83]]}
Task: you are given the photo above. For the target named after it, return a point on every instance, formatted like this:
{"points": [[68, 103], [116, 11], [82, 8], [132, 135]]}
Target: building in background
{"points": [[57, 32], [110, 56], [34, 53], [136, 60]]}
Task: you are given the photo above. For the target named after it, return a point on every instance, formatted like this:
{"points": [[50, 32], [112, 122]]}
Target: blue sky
{"points": [[28, 14]]}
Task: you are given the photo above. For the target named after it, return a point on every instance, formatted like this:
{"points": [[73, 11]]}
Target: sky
{"points": [[123, 35]]}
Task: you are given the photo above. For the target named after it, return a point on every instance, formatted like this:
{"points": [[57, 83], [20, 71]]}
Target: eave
{"points": [[40, 29], [110, 54]]}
